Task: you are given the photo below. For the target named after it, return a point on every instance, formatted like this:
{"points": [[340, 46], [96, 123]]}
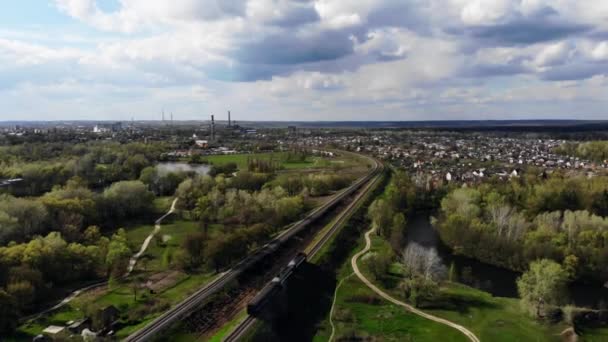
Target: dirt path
{"points": [[132, 263], [144, 246], [386, 296], [333, 305]]}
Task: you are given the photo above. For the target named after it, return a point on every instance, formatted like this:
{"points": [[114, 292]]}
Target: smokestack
{"points": [[229, 123], [212, 127]]}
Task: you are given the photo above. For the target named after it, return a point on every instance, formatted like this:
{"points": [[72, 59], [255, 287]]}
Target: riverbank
{"points": [[495, 280]]}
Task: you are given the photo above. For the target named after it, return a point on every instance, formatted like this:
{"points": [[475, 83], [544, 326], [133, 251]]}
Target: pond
{"points": [[201, 169], [496, 280]]}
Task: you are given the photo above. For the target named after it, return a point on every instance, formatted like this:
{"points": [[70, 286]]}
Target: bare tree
{"points": [[423, 261]]}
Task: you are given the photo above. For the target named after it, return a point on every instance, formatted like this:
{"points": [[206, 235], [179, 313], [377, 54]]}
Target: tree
{"points": [[204, 212], [543, 284], [397, 232], [380, 213], [23, 292], [417, 289], [452, 274], [571, 264], [127, 199], [118, 254], [31, 215], [424, 262], [92, 235], [379, 264], [194, 246], [9, 314]]}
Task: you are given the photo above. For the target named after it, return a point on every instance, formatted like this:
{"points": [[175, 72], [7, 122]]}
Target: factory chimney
{"points": [[212, 127], [229, 123]]}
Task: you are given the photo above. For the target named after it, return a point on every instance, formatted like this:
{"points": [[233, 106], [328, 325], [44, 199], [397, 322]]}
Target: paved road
{"points": [[144, 246], [386, 296]]}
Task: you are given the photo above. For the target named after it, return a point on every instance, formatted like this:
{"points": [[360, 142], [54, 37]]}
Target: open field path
{"points": [[144, 246], [386, 296], [132, 263]]}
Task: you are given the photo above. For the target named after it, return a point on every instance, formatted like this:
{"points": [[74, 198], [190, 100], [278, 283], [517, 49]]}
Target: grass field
{"points": [[358, 311], [173, 232], [490, 318], [120, 296], [241, 160], [344, 161]]}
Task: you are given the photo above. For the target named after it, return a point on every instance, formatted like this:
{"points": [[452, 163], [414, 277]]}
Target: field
{"points": [[344, 161], [241, 160], [172, 232], [152, 265], [360, 314], [358, 311]]}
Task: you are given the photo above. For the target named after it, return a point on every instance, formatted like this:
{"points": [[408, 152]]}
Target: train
{"points": [[255, 306], [276, 243]]}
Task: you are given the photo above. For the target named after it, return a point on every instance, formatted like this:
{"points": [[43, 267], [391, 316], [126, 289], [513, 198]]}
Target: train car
{"points": [[255, 306]]}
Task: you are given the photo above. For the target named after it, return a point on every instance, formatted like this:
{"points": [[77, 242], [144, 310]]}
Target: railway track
{"points": [[248, 322], [192, 302]]}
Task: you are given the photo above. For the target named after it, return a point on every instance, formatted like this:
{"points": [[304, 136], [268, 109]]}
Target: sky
{"points": [[304, 59]]}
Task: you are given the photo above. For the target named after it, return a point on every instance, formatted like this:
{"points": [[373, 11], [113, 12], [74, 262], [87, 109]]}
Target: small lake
{"points": [[498, 281], [201, 169]]}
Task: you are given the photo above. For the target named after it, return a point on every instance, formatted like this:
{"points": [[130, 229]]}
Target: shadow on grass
{"points": [[457, 302]]}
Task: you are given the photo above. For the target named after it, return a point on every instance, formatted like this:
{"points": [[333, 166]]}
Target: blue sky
{"points": [[304, 59]]}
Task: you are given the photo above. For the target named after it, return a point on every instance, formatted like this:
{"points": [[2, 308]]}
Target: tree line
{"points": [[97, 163], [511, 224]]}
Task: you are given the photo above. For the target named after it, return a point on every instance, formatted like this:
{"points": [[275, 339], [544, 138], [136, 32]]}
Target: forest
{"points": [[510, 224], [62, 226]]}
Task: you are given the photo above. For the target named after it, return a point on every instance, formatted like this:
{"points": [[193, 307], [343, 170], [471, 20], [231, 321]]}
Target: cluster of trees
{"points": [[512, 224], [263, 165], [226, 169], [592, 150], [162, 183], [98, 164], [423, 271], [30, 272], [248, 217], [71, 208], [296, 155], [422, 268], [542, 287], [387, 213], [317, 184]]}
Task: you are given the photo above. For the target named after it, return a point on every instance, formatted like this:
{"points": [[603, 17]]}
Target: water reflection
{"points": [[495, 280], [167, 167]]}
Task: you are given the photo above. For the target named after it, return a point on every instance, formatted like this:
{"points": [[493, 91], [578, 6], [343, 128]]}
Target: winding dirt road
{"points": [[386, 296], [144, 246]]}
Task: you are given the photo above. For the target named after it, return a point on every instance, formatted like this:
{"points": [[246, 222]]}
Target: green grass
{"points": [[358, 310], [345, 161], [162, 204], [490, 318], [227, 328], [241, 160], [152, 258], [121, 295], [595, 335]]}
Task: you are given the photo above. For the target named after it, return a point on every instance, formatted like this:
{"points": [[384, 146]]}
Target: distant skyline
{"points": [[394, 60]]}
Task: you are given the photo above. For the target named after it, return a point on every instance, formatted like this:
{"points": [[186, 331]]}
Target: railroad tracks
{"points": [[248, 322], [187, 306]]}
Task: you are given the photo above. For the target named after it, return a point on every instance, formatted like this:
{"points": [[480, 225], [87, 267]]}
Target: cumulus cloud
{"points": [[441, 56]]}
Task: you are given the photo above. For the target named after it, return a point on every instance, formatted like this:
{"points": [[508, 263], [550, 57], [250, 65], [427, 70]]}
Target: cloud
{"points": [[279, 56]]}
